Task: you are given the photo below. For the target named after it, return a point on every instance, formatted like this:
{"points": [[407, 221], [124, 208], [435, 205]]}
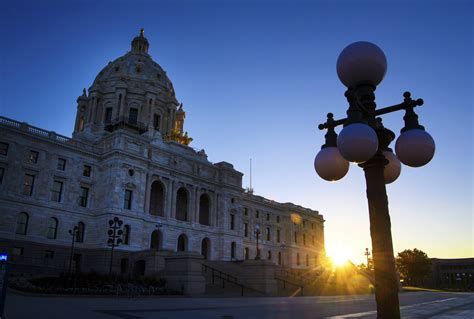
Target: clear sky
{"points": [[256, 77]]}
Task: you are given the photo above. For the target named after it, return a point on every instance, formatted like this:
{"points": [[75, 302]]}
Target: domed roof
{"points": [[135, 70]]}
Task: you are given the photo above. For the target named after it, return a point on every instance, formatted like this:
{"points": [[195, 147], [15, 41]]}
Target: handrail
{"points": [[216, 273]]}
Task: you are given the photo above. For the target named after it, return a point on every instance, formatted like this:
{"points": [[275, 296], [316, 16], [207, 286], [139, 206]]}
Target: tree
{"points": [[413, 266]]}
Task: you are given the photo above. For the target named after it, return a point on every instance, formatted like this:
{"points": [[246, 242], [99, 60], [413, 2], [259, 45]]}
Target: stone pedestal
{"points": [[260, 275], [183, 272]]}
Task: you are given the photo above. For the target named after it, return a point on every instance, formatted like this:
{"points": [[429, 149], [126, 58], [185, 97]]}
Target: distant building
{"points": [[129, 157], [453, 273]]}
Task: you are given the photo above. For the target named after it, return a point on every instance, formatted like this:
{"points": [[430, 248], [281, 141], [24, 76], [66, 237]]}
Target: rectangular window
{"points": [[108, 115], [312, 239], [32, 157], [268, 234], [246, 212], [61, 166], [86, 171], [2, 173], [246, 229], [312, 225], [268, 217], [296, 237], [127, 202], [278, 219], [28, 183], [84, 196], [304, 223], [133, 116], [257, 214], [269, 255], [232, 221], [156, 122], [3, 148], [304, 239], [56, 191], [278, 235]]}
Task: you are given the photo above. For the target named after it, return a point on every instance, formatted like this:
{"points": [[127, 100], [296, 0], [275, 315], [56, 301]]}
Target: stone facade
{"points": [[125, 160]]}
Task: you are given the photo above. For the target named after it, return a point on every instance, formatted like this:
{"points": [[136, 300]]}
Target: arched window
{"points": [[126, 235], [22, 224], [157, 199], [246, 253], [204, 210], [233, 248], [205, 248], [155, 240], [80, 232], [182, 243], [52, 228], [182, 204]]}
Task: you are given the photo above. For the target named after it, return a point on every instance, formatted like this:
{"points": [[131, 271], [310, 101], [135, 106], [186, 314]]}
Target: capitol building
{"points": [[129, 157]]}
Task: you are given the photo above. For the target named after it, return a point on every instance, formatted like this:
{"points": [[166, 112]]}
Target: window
{"points": [[83, 198], [126, 235], [268, 234], [32, 157], [278, 219], [2, 173], [204, 210], [133, 115], [157, 199], [182, 204], [156, 122], [304, 239], [246, 212], [246, 229], [297, 259], [127, 200], [279, 258], [48, 256], [61, 165], [232, 200], [3, 148], [304, 223], [278, 235], [182, 242], [108, 115], [22, 224], [269, 255], [296, 237], [268, 217], [233, 247], [52, 228], [232, 221], [312, 225], [57, 191], [80, 232], [307, 260], [257, 214], [312, 239], [86, 171], [246, 253], [28, 183]]}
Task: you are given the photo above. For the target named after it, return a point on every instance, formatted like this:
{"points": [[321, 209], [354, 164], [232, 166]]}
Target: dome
{"points": [[135, 71]]}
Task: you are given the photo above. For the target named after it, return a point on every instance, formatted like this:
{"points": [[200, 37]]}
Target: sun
{"points": [[339, 256]]}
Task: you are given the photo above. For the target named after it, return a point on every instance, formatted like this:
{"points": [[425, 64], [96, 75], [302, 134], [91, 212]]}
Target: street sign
{"points": [[3, 281]]}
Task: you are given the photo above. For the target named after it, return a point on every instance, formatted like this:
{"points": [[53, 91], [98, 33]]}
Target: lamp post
{"points": [[364, 140], [73, 233], [367, 254], [257, 235], [115, 233]]}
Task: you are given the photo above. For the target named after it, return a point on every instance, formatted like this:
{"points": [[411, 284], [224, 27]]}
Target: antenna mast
{"points": [[250, 189]]}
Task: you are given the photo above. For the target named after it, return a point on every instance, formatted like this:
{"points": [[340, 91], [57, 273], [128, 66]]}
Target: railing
{"points": [[217, 274], [125, 122], [287, 282]]}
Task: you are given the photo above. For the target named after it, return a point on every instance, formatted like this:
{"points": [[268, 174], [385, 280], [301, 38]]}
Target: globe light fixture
{"points": [[361, 66], [330, 165], [392, 170], [361, 63], [415, 147], [357, 142]]}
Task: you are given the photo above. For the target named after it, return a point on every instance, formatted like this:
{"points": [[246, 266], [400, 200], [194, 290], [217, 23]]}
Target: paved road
{"points": [[413, 305]]}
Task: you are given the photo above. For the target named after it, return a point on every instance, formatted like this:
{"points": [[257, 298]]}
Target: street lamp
{"points": [[115, 233], [367, 254], [73, 233], [257, 234], [364, 140]]}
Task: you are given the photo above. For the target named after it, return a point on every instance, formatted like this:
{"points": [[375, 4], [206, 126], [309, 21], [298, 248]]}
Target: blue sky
{"points": [[256, 77]]}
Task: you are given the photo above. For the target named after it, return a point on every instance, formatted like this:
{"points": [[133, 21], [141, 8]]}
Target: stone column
{"points": [[173, 200]]}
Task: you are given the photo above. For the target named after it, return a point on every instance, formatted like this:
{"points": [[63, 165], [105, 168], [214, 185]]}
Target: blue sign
{"points": [[3, 257]]}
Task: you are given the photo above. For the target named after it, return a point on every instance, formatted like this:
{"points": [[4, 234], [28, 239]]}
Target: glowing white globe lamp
{"points": [[415, 147], [357, 142], [392, 170], [330, 165]]}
